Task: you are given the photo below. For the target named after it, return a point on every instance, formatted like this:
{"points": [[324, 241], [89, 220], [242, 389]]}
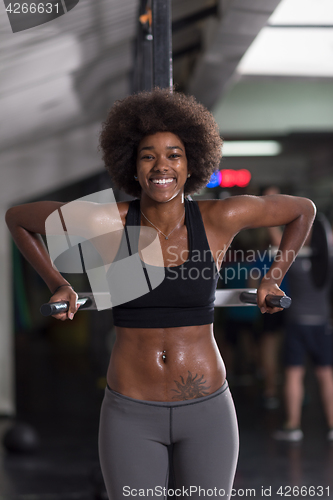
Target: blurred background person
{"points": [[308, 332]]}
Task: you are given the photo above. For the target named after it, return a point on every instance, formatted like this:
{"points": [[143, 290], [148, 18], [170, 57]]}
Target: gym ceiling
{"points": [[76, 66]]}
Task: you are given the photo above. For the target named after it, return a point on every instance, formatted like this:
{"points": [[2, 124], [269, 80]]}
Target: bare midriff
{"points": [[165, 364]]}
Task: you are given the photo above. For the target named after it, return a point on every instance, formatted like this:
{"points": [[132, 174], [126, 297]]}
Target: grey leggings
{"points": [[142, 443]]}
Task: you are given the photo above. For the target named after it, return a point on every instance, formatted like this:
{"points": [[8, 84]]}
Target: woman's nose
{"points": [[161, 164]]}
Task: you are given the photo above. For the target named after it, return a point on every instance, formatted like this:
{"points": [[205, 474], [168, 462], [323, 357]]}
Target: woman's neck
{"points": [[163, 215]]}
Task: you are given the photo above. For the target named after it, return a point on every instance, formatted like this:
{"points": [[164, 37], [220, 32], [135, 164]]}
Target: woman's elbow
{"points": [[307, 209], [311, 208], [10, 216]]}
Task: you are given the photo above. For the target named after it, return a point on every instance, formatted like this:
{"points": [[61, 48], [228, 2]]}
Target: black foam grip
{"points": [[54, 308], [59, 307], [278, 301], [282, 301]]}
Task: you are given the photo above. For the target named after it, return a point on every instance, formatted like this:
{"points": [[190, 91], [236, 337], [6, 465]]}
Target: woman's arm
{"points": [[293, 238], [275, 235], [275, 232], [26, 223], [295, 213], [102, 224]]}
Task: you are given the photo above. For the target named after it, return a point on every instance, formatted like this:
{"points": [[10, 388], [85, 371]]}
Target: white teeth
{"points": [[162, 181]]}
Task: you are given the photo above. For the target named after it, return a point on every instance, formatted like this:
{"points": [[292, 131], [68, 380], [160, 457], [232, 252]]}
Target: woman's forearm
{"points": [[32, 247], [293, 238], [275, 235]]}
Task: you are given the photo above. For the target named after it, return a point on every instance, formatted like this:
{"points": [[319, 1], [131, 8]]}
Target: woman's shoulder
{"points": [[104, 212], [227, 207], [224, 214], [90, 219], [123, 207], [212, 210]]}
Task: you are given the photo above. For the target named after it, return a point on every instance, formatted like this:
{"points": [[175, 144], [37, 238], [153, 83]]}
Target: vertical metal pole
{"points": [[162, 44], [143, 67]]}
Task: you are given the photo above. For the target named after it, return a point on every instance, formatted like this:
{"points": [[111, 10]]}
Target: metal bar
{"points": [[162, 44], [143, 67], [231, 297], [236, 297]]}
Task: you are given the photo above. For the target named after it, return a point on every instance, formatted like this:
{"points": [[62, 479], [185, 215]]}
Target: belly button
{"points": [[164, 356]]}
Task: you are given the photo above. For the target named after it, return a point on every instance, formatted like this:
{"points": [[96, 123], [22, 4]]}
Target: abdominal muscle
{"points": [[165, 364]]}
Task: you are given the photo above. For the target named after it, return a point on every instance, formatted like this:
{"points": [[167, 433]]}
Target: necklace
{"points": [[166, 236]]}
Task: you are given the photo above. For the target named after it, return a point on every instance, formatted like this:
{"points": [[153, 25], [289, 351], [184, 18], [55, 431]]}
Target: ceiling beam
{"points": [[228, 37]]}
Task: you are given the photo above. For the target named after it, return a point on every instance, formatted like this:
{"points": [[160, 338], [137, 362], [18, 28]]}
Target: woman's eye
{"points": [[175, 155]]}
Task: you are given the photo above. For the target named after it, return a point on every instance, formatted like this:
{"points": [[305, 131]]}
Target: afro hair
{"points": [[160, 110]]}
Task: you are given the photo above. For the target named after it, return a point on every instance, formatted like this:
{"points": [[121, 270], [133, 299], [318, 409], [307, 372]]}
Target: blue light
{"points": [[214, 180]]}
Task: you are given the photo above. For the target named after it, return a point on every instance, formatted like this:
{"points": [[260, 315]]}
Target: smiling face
{"points": [[161, 166]]}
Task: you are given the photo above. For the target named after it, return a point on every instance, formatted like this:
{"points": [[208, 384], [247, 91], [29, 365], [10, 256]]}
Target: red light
{"points": [[228, 178], [232, 178], [244, 177]]}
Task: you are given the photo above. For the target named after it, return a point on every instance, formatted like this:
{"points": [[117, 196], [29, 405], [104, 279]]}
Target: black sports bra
{"points": [[186, 295]]}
